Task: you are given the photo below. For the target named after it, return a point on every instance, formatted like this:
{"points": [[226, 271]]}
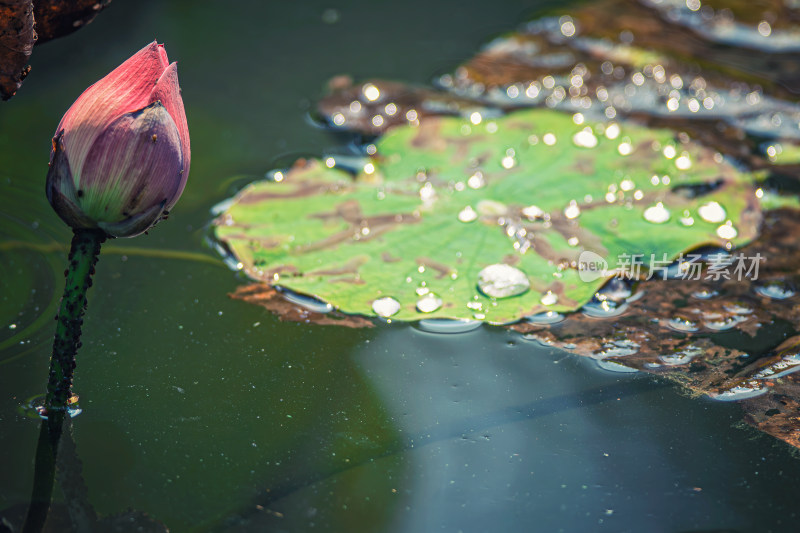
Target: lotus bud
{"points": [[120, 155]]}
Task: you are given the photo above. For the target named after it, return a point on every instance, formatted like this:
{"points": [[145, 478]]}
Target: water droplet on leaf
{"points": [[386, 307], [429, 303], [502, 281], [712, 212], [657, 214], [467, 214]]}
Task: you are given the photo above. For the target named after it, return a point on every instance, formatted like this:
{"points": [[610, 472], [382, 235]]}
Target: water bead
{"points": [[386, 307], [502, 281], [429, 303]]}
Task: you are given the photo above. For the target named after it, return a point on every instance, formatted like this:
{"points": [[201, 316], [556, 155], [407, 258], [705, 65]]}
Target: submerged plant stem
{"points": [[82, 258], [44, 472]]}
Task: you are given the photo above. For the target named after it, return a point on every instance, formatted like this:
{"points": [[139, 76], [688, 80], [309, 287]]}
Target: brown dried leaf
{"points": [[56, 18], [266, 296], [16, 44]]}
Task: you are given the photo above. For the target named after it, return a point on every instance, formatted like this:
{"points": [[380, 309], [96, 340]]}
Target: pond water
{"points": [[210, 414]]}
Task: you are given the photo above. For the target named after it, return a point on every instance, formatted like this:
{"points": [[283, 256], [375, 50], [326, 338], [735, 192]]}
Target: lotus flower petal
{"points": [[136, 163], [61, 189], [127, 88], [121, 153], [167, 90], [136, 224]]}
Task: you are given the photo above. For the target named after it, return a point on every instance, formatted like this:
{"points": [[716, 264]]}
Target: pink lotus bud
{"points": [[120, 155]]}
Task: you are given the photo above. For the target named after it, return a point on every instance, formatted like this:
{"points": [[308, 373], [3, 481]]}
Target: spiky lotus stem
{"points": [[82, 259]]}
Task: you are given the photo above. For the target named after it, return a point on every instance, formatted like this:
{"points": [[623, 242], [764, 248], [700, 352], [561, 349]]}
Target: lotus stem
{"points": [[83, 256], [82, 259]]}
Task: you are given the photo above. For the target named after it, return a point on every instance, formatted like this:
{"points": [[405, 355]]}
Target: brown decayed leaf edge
{"points": [[268, 297], [24, 23], [57, 18], [16, 44]]}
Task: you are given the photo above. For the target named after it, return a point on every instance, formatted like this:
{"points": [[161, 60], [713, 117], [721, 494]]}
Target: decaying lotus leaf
{"points": [[441, 201]]}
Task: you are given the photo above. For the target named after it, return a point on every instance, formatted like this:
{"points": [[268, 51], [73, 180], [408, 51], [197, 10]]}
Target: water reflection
{"points": [[496, 436]]}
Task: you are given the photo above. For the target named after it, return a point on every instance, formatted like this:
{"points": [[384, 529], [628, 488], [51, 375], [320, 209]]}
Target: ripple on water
{"points": [[538, 339], [776, 290], [35, 407], [705, 294], [616, 289], [742, 391], [448, 325], [305, 301], [603, 308], [684, 325], [681, 357], [547, 317], [33, 245], [613, 366], [725, 323], [788, 364], [617, 348]]}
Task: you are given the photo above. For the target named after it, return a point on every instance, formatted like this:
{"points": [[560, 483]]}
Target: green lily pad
{"points": [[443, 199]]}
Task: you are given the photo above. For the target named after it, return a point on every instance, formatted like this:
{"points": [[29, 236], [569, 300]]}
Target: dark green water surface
{"points": [[210, 414]]}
